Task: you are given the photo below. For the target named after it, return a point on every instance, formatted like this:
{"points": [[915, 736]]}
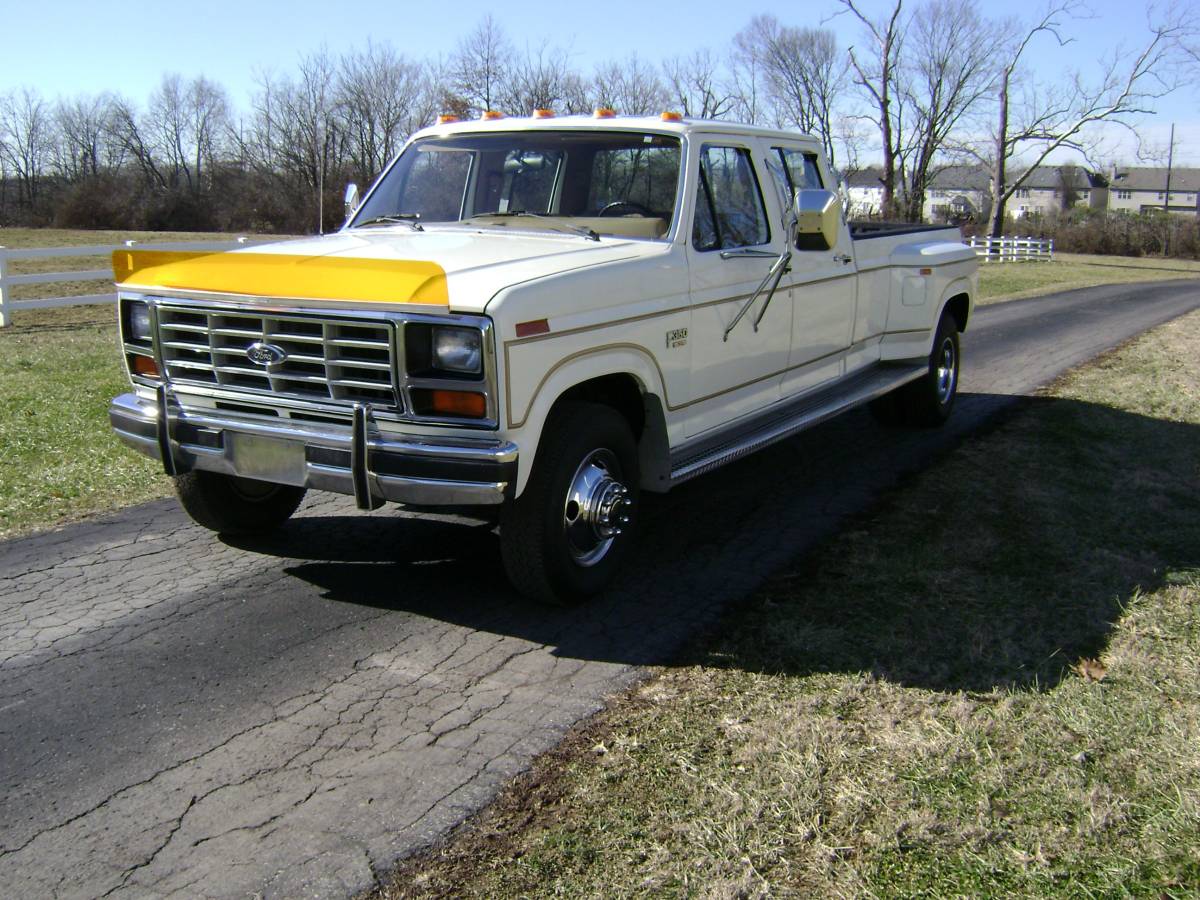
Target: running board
{"points": [[780, 422]]}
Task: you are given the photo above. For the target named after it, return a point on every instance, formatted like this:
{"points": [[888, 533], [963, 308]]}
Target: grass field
{"points": [[1010, 281], [988, 686]]}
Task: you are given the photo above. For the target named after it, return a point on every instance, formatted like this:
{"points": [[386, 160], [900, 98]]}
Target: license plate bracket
{"points": [[268, 458]]}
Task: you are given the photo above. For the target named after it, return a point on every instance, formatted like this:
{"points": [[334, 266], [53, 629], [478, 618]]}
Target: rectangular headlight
{"points": [[458, 350], [139, 321]]}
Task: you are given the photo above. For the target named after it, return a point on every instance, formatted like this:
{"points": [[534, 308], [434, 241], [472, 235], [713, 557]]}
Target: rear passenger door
{"points": [[821, 287], [733, 244]]}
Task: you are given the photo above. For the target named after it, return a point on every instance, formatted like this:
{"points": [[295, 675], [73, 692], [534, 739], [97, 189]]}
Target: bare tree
{"points": [[631, 87], [379, 102], [947, 71], [480, 65], [802, 77], [695, 83], [876, 72], [26, 139], [539, 79], [1048, 116], [85, 129]]}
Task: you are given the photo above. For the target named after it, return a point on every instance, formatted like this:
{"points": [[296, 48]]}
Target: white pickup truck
{"points": [[546, 316]]}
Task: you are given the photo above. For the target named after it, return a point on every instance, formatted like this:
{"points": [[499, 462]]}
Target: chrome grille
{"points": [[343, 360]]}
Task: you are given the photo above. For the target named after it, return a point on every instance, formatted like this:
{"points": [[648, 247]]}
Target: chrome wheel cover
{"points": [[596, 509], [946, 372]]}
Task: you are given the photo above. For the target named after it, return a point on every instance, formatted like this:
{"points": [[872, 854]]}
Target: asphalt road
{"points": [[184, 716]]}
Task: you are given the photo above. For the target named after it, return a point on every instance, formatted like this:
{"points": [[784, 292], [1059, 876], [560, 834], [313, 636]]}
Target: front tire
{"points": [[236, 506], [564, 538]]}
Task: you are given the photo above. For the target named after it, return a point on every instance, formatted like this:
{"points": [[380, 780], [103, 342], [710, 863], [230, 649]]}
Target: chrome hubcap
{"points": [[947, 371], [597, 508]]}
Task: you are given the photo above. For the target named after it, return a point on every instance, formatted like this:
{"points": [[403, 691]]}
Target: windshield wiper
{"points": [[580, 230], [409, 219]]}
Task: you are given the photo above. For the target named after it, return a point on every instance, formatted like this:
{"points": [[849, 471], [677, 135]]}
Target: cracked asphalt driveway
{"points": [[183, 716]]}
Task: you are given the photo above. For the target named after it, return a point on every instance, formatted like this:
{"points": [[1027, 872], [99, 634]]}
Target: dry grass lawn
{"points": [[989, 686], [1012, 281]]}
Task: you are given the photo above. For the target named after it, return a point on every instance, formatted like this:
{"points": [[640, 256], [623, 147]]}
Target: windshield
{"points": [[608, 182]]}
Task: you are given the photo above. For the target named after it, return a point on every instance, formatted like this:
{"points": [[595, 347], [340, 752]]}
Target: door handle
{"points": [[844, 259], [748, 253]]}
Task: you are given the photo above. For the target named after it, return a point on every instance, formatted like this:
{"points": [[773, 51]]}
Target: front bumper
{"points": [[359, 459]]}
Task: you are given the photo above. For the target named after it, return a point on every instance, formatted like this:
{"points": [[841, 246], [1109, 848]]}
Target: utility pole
{"points": [[1167, 195]]}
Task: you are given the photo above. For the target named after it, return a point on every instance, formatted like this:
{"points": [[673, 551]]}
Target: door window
{"points": [[729, 203]]}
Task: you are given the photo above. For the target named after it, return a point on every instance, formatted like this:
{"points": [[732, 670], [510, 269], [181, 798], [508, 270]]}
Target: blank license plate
{"points": [[268, 459]]}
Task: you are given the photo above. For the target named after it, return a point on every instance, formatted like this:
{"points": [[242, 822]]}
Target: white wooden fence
{"points": [[8, 282], [1012, 249]]}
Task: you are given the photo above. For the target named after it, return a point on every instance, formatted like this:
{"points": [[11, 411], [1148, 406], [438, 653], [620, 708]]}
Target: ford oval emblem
{"points": [[265, 354]]}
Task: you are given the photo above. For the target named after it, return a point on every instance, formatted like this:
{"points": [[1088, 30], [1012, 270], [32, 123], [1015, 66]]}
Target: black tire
{"points": [[548, 553], [929, 400], [230, 505]]}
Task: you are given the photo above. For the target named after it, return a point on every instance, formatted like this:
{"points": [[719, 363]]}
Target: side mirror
{"points": [[351, 199], [818, 218]]}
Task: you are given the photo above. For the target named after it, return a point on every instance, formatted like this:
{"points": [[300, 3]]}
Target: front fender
{"points": [[527, 408]]}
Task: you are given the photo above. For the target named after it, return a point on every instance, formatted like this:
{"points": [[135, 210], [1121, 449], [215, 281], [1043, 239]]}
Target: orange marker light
{"points": [[144, 366], [670, 116], [457, 404], [543, 114], [446, 119], [491, 114], [605, 112]]}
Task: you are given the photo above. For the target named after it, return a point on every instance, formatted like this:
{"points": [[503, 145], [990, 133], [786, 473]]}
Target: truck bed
{"points": [[866, 230]]}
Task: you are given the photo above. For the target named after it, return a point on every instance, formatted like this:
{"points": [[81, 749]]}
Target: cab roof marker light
{"points": [[605, 112], [543, 114], [671, 116], [489, 115], [446, 118]]}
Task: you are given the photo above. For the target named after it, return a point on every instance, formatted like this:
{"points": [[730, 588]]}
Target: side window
{"points": [[729, 204], [801, 169]]}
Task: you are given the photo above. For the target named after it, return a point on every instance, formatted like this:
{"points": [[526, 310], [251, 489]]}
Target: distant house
{"points": [[864, 189], [1050, 189], [1138, 189], [957, 193]]}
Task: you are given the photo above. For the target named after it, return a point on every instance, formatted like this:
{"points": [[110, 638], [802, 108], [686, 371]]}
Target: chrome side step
{"points": [[790, 417]]}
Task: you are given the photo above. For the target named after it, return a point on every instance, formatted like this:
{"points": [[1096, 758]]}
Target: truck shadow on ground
{"points": [[1012, 611]]}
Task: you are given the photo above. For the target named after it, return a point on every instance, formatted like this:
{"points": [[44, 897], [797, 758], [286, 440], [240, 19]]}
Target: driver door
{"points": [[735, 370]]}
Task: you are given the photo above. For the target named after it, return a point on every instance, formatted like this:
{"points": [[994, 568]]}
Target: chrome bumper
{"points": [[358, 459]]}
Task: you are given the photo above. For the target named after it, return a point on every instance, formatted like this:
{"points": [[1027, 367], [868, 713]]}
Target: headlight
{"points": [[458, 350], [139, 321]]}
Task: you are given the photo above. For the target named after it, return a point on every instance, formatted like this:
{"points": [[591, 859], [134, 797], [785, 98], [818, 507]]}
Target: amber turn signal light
{"points": [[144, 366], [458, 404]]}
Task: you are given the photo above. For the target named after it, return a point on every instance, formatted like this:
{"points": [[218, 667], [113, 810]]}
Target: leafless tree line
{"points": [[926, 84]]}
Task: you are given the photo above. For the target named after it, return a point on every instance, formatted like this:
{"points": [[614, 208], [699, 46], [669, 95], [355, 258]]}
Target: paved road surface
{"points": [[184, 716]]}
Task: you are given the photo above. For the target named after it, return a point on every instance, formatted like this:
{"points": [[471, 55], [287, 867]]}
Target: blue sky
{"points": [[71, 46]]}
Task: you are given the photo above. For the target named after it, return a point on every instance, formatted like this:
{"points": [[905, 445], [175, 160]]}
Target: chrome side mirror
{"points": [[351, 199], [818, 218]]}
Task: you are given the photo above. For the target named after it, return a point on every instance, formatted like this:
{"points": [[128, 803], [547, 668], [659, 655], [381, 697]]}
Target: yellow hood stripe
{"points": [[285, 275]]}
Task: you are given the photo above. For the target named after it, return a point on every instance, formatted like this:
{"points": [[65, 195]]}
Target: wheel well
{"points": [[620, 391], [959, 306]]}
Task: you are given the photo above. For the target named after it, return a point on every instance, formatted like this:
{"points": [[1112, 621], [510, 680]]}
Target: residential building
{"points": [[864, 192], [1139, 189]]}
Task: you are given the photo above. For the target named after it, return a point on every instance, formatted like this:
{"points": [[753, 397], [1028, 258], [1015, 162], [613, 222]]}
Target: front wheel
{"points": [[563, 539], [230, 505]]}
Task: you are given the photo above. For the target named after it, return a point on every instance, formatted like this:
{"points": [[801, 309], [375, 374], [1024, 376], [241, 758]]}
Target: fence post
{"points": [[5, 320]]}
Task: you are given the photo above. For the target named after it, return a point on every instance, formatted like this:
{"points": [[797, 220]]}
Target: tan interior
{"points": [[624, 226]]}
